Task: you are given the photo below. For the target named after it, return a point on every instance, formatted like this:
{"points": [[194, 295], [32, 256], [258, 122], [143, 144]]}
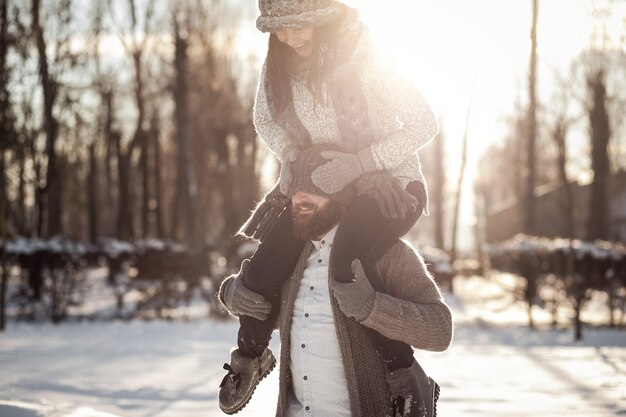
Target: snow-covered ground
{"points": [[496, 366]]}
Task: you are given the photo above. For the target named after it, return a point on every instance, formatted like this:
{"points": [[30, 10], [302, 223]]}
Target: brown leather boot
{"points": [[244, 374]]}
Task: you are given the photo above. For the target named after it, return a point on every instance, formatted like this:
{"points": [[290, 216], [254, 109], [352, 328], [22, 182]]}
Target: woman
{"points": [[323, 82]]}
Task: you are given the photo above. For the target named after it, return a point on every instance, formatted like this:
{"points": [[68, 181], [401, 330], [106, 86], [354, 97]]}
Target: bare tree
{"points": [[110, 158], [6, 112], [4, 276], [158, 166], [602, 79], [221, 130], [103, 84], [186, 179], [135, 46], [529, 210], [600, 134], [7, 132], [438, 190], [455, 221], [92, 194], [49, 86]]}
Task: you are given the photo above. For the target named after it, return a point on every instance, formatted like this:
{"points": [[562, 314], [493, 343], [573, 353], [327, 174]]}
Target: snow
{"points": [[496, 366], [521, 243]]}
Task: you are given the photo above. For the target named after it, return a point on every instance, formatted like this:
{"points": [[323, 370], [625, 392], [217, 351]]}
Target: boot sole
{"points": [[238, 409]]}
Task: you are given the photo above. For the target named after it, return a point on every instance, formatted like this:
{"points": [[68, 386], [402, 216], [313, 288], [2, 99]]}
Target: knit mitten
{"points": [[342, 169], [356, 298], [239, 300]]}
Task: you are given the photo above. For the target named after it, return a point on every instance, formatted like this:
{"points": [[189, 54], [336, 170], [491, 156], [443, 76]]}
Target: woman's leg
{"points": [[364, 234], [270, 266]]}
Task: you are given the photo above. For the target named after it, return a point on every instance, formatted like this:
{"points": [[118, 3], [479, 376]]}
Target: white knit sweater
{"points": [[401, 119]]}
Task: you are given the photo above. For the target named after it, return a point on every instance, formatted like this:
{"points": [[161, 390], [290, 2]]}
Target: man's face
{"points": [[313, 215]]}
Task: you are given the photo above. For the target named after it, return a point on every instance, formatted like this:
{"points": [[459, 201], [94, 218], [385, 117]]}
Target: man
{"points": [[329, 366]]}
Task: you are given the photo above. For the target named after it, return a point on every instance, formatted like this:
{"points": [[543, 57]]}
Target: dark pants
{"points": [[363, 233]]}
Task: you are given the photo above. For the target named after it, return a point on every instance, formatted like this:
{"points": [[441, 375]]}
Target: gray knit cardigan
{"points": [[411, 310], [398, 119]]}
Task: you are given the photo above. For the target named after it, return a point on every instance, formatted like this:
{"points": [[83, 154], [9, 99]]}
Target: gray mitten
{"points": [[355, 299], [239, 300], [342, 169]]}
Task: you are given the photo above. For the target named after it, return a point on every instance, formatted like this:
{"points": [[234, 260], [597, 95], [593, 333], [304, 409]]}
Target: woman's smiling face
{"points": [[301, 40]]}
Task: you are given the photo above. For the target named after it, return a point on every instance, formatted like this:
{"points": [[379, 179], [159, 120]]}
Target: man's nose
{"points": [[298, 198]]}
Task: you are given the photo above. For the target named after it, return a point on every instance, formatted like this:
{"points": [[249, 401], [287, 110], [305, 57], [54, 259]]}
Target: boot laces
{"points": [[232, 375]]}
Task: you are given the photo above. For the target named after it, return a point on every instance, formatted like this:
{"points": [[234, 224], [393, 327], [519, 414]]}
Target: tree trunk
{"points": [[110, 154], [225, 180], [39, 192], [437, 190], [4, 47], [459, 186], [145, 185], [92, 186], [124, 211], [529, 212], [559, 133], [156, 159], [598, 220], [186, 174], [23, 226], [53, 186], [3, 235]]}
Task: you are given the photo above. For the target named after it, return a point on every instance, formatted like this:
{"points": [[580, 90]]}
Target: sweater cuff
{"points": [[367, 308], [223, 288], [366, 158]]}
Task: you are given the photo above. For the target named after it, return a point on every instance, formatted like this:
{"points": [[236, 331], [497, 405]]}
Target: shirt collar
{"points": [[326, 240]]}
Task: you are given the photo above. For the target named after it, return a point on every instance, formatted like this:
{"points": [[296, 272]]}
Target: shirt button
{"points": [[307, 408], [303, 346], [323, 241], [305, 377], [311, 288], [319, 261], [306, 314]]}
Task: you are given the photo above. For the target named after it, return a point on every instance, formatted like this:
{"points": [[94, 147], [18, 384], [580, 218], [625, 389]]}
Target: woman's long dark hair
{"points": [[278, 61]]}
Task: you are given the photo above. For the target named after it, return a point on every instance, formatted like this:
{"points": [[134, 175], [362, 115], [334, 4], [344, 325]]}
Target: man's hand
{"points": [[393, 200], [355, 299], [240, 300]]}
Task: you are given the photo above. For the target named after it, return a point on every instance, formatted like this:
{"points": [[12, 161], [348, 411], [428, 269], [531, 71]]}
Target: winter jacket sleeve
{"points": [[411, 119], [411, 309]]}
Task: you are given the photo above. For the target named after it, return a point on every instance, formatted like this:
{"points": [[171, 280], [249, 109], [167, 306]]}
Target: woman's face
{"points": [[300, 40]]}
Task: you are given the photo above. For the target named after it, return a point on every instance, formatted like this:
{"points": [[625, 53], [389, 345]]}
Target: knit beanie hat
{"points": [[302, 169], [278, 15]]}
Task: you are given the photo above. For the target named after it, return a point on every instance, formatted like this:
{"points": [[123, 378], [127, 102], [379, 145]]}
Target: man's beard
{"points": [[318, 222]]}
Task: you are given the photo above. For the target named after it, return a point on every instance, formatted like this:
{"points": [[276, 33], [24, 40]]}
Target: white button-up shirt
{"points": [[319, 380]]}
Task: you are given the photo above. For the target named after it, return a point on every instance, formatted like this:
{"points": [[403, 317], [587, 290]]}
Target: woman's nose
{"points": [[291, 36]]}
